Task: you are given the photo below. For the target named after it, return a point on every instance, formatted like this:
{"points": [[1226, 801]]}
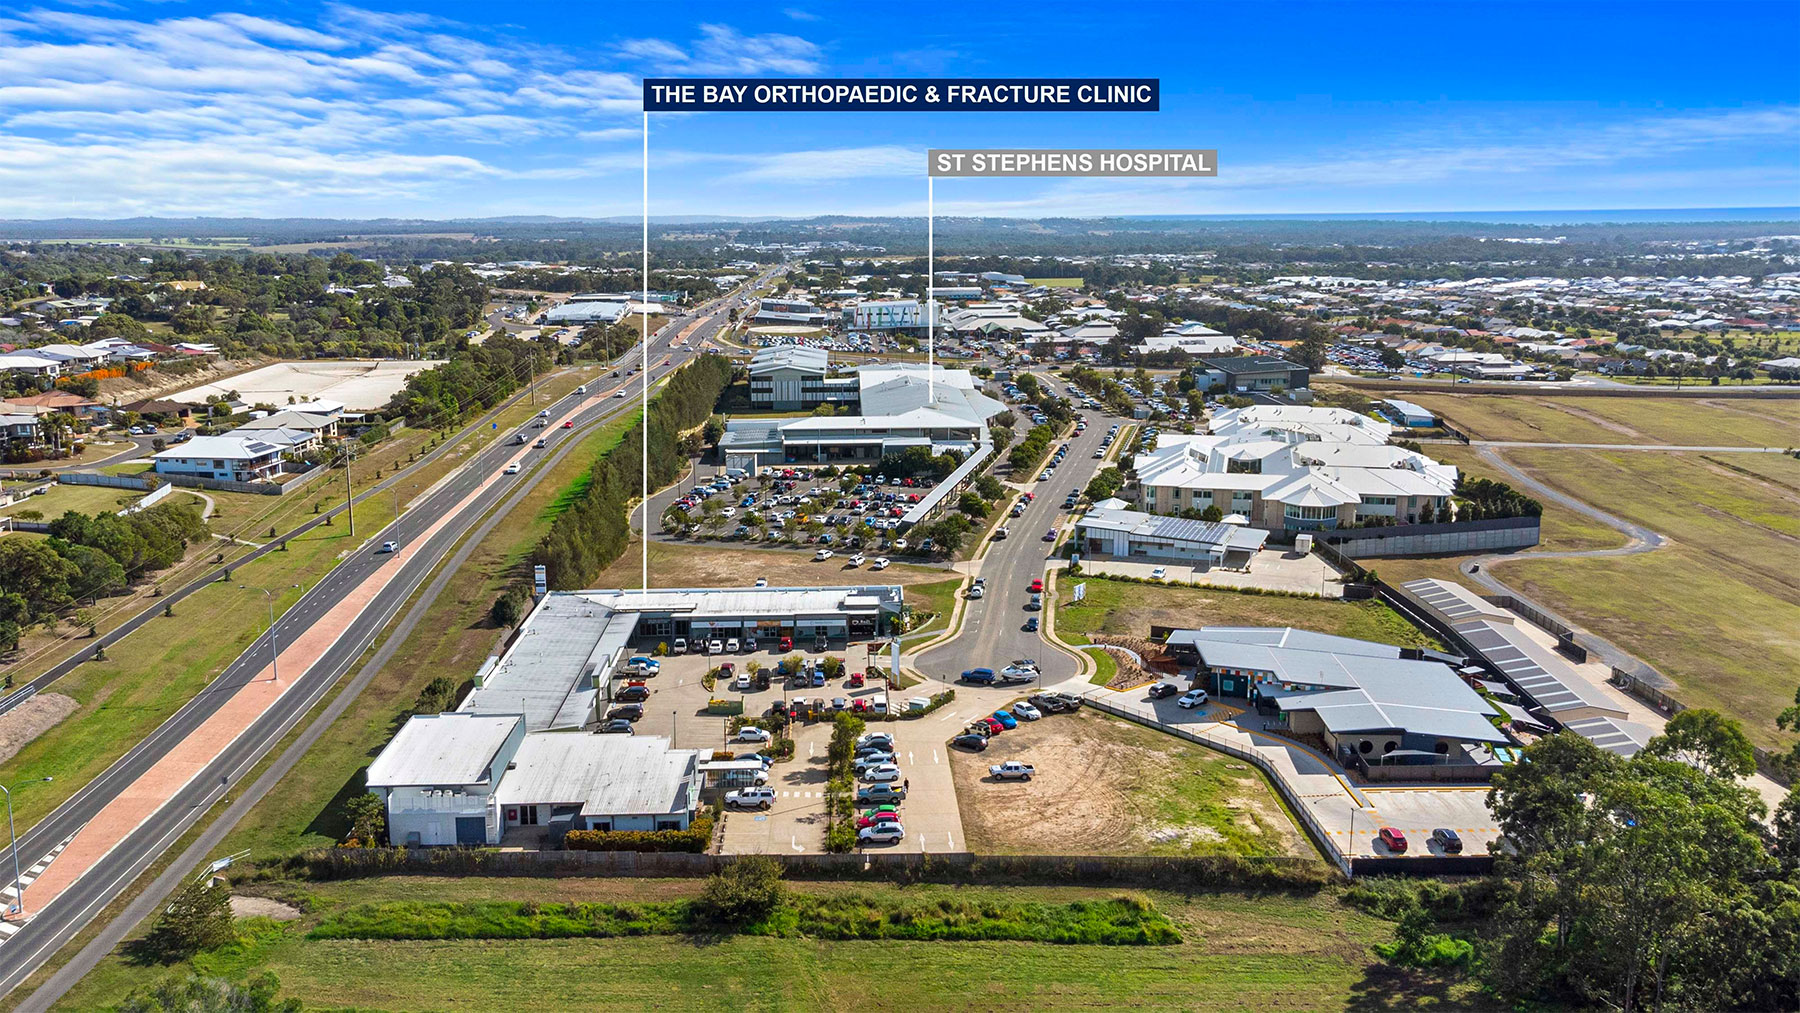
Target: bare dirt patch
{"points": [[1598, 420], [1105, 786], [263, 907], [31, 719]]}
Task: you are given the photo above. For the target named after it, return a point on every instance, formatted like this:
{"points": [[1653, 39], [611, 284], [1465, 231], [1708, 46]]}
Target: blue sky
{"points": [[459, 109]]}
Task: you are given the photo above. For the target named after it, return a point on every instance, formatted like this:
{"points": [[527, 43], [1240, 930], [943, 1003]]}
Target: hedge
{"points": [[716, 706], [696, 838]]}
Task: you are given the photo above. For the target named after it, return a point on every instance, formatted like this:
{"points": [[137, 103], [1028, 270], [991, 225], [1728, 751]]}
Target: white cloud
{"points": [[830, 164], [797, 14]]}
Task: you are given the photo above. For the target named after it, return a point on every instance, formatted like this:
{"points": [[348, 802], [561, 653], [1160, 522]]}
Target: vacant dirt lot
{"points": [[1106, 786], [31, 719]]}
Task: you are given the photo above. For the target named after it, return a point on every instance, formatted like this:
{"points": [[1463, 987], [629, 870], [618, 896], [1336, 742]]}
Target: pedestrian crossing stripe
{"points": [[8, 926]]}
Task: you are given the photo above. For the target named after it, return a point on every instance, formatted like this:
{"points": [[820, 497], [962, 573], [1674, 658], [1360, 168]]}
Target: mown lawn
{"points": [[1238, 951], [1687, 421], [1123, 608], [1716, 610], [87, 499]]}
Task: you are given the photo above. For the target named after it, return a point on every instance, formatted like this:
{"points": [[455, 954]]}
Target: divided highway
{"points": [[56, 920]]}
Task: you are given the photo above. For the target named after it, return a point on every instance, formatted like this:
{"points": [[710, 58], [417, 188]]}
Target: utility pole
{"points": [[349, 504]]}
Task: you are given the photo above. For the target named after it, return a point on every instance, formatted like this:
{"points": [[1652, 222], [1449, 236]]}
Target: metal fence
{"points": [[110, 481]]}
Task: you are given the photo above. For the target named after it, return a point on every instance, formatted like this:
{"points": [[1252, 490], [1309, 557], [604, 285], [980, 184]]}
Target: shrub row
{"points": [[593, 532], [694, 839], [1032, 450], [1118, 921]]}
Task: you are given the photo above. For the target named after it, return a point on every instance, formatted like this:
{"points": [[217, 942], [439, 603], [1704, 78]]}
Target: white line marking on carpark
{"points": [[795, 841], [934, 755]]}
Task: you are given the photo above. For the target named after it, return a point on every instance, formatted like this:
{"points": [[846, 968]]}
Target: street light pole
{"points": [[18, 904], [274, 648]]}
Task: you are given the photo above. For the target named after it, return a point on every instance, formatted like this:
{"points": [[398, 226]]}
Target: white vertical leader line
{"points": [[930, 289], [644, 359]]}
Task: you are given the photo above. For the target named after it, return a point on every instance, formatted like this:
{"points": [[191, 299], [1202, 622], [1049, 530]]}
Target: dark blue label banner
{"points": [[956, 95]]}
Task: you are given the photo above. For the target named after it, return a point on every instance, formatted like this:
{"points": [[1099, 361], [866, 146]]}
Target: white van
{"points": [[581, 389]]}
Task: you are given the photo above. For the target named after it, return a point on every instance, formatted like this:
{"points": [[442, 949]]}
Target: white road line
{"points": [[795, 841]]}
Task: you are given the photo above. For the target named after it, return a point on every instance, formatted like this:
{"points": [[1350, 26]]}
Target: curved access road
{"points": [[1638, 540]]}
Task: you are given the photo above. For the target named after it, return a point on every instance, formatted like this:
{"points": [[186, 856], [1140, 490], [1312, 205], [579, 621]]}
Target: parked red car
{"points": [[1394, 839], [993, 727], [877, 817], [1037, 587], [856, 680], [787, 643]]}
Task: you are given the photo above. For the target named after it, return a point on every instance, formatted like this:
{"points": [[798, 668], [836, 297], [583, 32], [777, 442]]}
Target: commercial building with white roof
{"points": [[895, 406], [1112, 528], [1375, 703], [1288, 468], [517, 751]]}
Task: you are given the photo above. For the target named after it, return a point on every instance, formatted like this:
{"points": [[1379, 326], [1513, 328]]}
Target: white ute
{"points": [[751, 798], [1012, 770]]}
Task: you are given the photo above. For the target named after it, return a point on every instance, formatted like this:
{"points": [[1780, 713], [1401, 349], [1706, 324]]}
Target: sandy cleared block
{"points": [[360, 384]]}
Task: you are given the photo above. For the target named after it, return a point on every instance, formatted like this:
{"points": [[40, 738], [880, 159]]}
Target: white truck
{"points": [[751, 798], [1012, 770]]}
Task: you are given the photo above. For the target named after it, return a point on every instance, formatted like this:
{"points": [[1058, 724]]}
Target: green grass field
{"points": [[1717, 609], [1055, 282], [1681, 421], [1270, 951], [1127, 609], [87, 499]]}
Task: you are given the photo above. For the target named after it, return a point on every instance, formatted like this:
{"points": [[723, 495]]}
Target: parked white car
{"points": [[822, 555], [880, 773], [881, 563], [714, 647], [1159, 573], [731, 646], [882, 833], [1191, 699], [751, 798], [742, 682], [856, 560], [751, 733], [1026, 711]]}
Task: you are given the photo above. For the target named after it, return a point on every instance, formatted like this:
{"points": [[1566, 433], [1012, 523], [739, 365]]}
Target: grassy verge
{"points": [[1129, 609], [1715, 608], [452, 638], [151, 674], [1264, 951], [938, 598], [1686, 420]]}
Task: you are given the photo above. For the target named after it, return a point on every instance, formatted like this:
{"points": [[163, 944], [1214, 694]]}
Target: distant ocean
{"points": [[1572, 217]]}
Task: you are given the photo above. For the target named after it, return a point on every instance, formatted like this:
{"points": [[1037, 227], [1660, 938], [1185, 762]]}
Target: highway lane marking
{"points": [[242, 664]]}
